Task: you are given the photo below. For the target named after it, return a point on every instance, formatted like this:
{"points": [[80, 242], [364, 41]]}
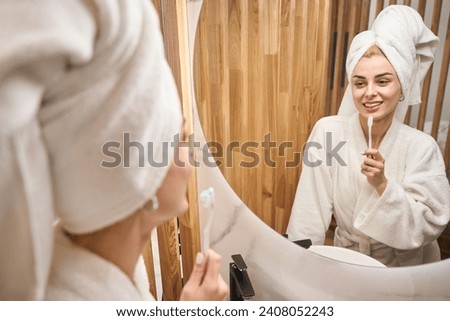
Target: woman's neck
{"points": [[121, 243]]}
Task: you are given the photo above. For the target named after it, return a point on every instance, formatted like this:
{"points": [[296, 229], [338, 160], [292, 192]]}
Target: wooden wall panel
{"points": [[443, 87], [147, 254], [427, 81], [260, 78]]}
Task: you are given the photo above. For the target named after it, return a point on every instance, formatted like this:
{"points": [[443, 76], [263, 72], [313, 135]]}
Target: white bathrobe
{"points": [[76, 75], [398, 228], [78, 274]]}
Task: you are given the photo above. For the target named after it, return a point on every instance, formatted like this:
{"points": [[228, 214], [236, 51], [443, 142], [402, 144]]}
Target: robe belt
{"points": [[347, 240]]}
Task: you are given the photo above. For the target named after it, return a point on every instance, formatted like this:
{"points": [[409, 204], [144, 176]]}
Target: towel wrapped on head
{"points": [[409, 45], [119, 125]]}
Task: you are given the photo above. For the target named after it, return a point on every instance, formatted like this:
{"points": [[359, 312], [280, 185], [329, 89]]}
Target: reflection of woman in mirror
{"points": [[75, 77], [390, 201]]}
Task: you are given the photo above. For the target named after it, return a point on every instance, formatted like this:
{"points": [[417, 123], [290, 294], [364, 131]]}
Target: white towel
{"points": [[409, 45], [76, 75]]}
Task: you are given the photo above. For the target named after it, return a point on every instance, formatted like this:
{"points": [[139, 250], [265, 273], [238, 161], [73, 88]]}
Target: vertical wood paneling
{"points": [[407, 2], [330, 108], [169, 257], [339, 30], [273, 58], [427, 81], [408, 116], [444, 68], [443, 84], [422, 7], [379, 6], [365, 11], [147, 254]]}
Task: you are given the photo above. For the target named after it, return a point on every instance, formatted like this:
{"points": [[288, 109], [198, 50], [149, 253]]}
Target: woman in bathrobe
{"points": [[89, 110], [390, 201]]}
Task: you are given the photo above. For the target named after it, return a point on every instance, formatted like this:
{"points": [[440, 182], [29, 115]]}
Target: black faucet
{"points": [[306, 243], [241, 288]]}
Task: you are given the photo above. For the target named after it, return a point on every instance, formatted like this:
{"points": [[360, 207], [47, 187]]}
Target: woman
{"points": [[89, 110], [390, 201]]}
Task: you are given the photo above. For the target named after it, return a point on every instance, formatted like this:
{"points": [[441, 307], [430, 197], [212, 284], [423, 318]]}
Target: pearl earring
{"points": [[153, 206]]}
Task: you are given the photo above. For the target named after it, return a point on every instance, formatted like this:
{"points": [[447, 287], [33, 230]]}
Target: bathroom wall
{"points": [[260, 71]]}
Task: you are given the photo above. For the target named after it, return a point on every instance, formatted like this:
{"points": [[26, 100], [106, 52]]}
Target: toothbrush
{"points": [[206, 200], [369, 125]]}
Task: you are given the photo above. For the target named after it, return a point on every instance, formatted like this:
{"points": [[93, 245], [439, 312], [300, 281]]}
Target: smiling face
{"points": [[376, 88]]}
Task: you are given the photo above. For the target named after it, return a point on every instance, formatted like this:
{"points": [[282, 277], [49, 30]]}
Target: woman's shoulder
{"points": [[416, 136], [419, 144]]}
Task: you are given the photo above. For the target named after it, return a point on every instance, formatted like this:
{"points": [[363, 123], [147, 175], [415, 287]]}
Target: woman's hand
{"points": [[205, 282], [373, 168]]}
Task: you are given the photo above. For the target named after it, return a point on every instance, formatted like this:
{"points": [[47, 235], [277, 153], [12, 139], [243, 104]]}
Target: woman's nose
{"points": [[371, 90]]}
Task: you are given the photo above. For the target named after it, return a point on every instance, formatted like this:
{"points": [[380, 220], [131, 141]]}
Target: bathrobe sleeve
{"points": [[416, 210], [39, 40], [312, 207]]}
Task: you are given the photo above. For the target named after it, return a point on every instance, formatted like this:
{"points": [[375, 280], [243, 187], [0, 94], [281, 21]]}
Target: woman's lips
{"points": [[372, 107]]}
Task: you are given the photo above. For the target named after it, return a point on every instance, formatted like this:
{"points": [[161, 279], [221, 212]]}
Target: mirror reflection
{"points": [[265, 72]]}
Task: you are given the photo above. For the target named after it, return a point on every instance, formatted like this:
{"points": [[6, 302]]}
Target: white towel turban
{"points": [[408, 44], [110, 138]]}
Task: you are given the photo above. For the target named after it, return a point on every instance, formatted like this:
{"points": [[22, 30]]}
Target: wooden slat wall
{"points": [[261, 69], [427, 81], [148, 259], [443, 81]]}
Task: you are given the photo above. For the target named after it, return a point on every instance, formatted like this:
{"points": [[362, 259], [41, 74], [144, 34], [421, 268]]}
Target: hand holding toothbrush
{"points": [[373, 165], [205, 282]]}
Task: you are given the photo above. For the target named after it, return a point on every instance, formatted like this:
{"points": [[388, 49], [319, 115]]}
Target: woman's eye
{"points": [[383, 81], [359, 84]]}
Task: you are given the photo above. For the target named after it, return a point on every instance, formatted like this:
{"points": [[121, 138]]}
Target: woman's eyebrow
{"points": [[384, 74], [376, 76]]}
